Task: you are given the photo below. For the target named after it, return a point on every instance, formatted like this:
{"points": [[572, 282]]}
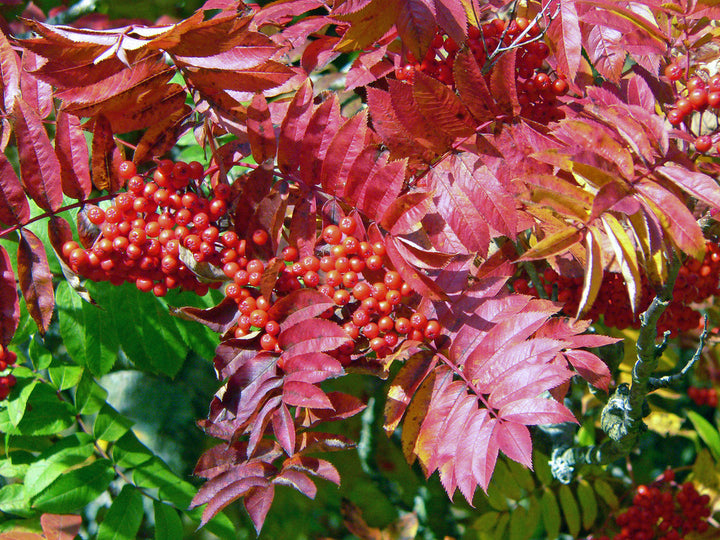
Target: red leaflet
{"points": [[472, 87], [292, 130], [284, 429], [35, 279], [311, 335], [699, 185], [319, 53], [536, 411], [388, 126], [303, 234], [36, 93], [251, 50], [14, 208], [297, 480], [10, 71], [409, 116], [405, 211], [60, 526], [157, 140], [106, 156], [9, 303], [72, 152], [419, 282], [564, 31], [313, 367], [503, 84], [606, 51], [39, 166], [382, 188], [346, 146], [219, 318], [321, 129], [439, 103], [590, 368], [404, 386], [451, 17], [257, 503], [298, 306], [416, 25], [260, 130], [302, 394]]}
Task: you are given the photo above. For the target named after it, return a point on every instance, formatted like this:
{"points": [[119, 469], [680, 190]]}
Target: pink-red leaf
{"points": [[417, 280], [35, 92], [344, 149], [590, 368], [14, 208], [260, 130], [297, 480], [515, 442], [527, 380], [284, 429], [72, 152], [303, 228], [416, 25], [39, 166], [443, 109], [472, 87], [292, 130], [311, 335], [321, 129], [564, 31], [257, 502], [302, 394], [298, 306], [35, 279], [405, 212], [9, 302], [699, 185], [536, 411], [312, 367], [10, 72], [315, 466], [219, 318]]}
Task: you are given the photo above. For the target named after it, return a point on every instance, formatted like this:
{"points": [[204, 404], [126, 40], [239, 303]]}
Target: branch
{"points": [[622, 416]]}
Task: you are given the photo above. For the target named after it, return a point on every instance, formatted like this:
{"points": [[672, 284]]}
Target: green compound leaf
{"points": [[40, 357], [588, 503], [707, 432], [128, 452], [46, 415], [570, 509], [110, 425], [53, 462], [17, 402], [14, 500], [89, 395], [168, 525], [606, 493], [65, 376], [75, 489], [124, 517], [518, 524], [550, 513], [521, 475]]}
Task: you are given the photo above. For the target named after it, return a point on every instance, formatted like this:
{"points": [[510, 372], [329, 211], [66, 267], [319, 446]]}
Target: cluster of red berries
{"points": [[537, 91], [7, 379], [664, 510], [703, 396], [140, 235], [371, 300], [699, 95], [697, 281]]}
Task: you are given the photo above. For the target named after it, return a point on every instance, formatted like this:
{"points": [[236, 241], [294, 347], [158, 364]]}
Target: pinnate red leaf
{"points": [[9, 302], [310, 336], [14, 208], [72, 152], [260, 130], [35, 279], [292, 130], [257, 502]]}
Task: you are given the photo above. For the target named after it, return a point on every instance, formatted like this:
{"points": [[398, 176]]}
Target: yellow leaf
{"points": [[368, 25], [593, 272], [664, 423], [654, 263], [625, 256], [556, 243]]}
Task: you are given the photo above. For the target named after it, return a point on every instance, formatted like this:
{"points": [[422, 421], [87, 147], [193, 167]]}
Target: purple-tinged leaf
{"points": [[472, 87], [301, 394], [699, 185], [260, 130], [252, 50], [416, 25], [310, 336], [219, 318], [14, 208], [311, 367], [303, 227], [315, 466], [409, 116], [439, 104], [39, 166], [284, 429], [417, 280], [503, 84], [536, 411], [35, 92], [72, 152], [387, 124], [590, 368], [475, 464], [298, 306], [259, 423], [257, 502], [639, 93], [606, 51], [35, 279], [515, 442], [343, 406], [9, 302], [321, 129], [564, 31], [405, 212], [292, 130], [451, 17], [226, 495], [344, 149], [10, 73], [404, 385], [297, 480]]}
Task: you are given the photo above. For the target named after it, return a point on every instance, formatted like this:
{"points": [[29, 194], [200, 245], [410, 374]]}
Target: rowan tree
{"points": [[486, 229]]}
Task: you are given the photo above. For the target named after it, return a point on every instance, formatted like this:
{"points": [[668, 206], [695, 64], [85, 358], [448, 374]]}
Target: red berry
{"points": [[332, 235], [260, 237], [268, 342], [126, 170], [703, 143], [347, 225], [673, 71]]}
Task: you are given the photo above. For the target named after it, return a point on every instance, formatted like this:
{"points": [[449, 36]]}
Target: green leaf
{"points": [[123, 519], [551, 513], [534, 515], [521, 475], [588, 503], [168, 525], [47, 415], [110, 425], [518, 524], [39, 355], [53, 462], [89, 395], [541, 466], [128, 452], [485, 522], [65, 376], [606, 493], [16, 464], [570, 509], [707, 432], [502, 524], [76, 488], [503, 479], [89, 334], [14, 500], [17, 402]]}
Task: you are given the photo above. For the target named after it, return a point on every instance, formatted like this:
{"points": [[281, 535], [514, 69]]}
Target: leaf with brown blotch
{"points": [[39, 166], [416, 25], [60, 526], [442, 108], [503, 85], [35, 279], [14, 208], [257, 502], [36, 93], [9, 301], [368, 24], [311, 335], [564, 32], [417, 280], [321, 129], [409, 116], [472, 87], [303, 227], [106, 156], [405, 212], [344, 149], [293, 127], [72, 152], [150, 109], [10, 73], [161, 137], [261, 132], [404, 385], [298, 306]]}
